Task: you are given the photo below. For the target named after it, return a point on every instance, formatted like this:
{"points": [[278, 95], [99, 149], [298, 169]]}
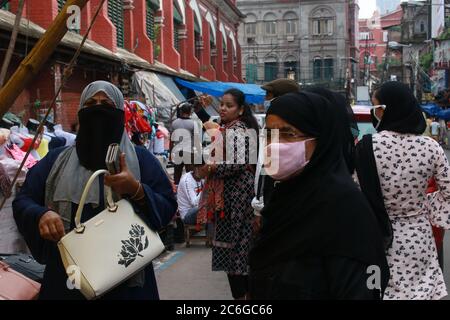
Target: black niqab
{"points": [[100, 126]]}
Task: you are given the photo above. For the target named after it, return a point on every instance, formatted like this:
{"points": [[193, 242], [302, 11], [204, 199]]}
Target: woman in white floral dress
{"points": [[405, 162]]}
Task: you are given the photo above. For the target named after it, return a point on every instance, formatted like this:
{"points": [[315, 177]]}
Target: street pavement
{"points": [[185, 274]]}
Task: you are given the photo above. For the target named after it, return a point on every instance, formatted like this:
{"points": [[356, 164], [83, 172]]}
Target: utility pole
{"points": [[31, 65], [386, 57], [366, 62], [12, 43]]}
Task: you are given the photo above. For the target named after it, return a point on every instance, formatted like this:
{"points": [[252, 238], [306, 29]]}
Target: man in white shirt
{"points": [[435, 126], [188, 195]]}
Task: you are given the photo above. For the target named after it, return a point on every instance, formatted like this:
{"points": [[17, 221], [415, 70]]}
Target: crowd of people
{"points": [[320, 215]]}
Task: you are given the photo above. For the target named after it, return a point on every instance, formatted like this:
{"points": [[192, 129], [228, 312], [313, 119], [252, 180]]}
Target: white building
{"points": [[312, 41]]}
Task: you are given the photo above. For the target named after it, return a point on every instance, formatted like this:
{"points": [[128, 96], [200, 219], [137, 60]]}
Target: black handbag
{"points": [[24, 264]]}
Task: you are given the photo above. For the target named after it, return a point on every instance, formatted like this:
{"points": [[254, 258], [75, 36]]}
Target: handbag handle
{"points": [[112, 207]]}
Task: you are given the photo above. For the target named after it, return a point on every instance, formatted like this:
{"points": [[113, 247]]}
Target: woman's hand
{"points": [[124, 182], [211, 125], [257, 223], [51, 226]]}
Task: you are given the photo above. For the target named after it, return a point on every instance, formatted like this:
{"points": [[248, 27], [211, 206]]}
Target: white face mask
{"points": [[267, 104], [286, 159], [375, 114]]}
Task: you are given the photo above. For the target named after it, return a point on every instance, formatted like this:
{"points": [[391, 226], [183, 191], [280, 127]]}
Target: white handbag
{"points": [[109, 248]]}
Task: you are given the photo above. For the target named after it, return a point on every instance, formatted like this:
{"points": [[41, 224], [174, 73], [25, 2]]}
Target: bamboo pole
{"points": [[32, 64], [12, 43]]}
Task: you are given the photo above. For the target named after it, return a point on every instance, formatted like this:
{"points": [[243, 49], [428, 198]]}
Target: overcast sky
{"points": [[367, 7]]}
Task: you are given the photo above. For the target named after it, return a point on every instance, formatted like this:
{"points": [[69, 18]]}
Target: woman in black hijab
{"points": [[347, 123], [319, 238], [402, 113], [394, 168]]}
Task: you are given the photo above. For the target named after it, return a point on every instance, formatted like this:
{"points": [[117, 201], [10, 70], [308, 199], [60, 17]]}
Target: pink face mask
{"points": [[283, 160]]}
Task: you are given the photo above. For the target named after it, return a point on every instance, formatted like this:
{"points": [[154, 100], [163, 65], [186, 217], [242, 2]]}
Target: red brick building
{"points": [[373, 39], [191, 39]]}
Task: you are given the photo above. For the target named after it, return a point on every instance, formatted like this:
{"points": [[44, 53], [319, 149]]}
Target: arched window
{"points": [[328, 68], [270, 24], [291, 68], [270, 69], [290, 20], [251, 70], [250, 25], [317, 69], [322, 21], [115, 14]]}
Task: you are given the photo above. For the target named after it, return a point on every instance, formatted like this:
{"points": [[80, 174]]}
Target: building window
{"points": [[115, 14], [61, 4], [364, 36], [213, 48], [323, 69], [317, 69], [328, 70], [197, 43], [323, 27], [176, 37], [270, 24], [152, 7], [270, 71], [225, 50], [5, 5], [323, 22], [422, 26], [250, 29], [251, 70], [197, 38], [291, 23], [177, 22], [290, 70], [250, 25]]}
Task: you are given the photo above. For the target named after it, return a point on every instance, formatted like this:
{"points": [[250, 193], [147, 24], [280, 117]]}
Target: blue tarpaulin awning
{"points": [[253, 93], [434, 110], [431, 109]]}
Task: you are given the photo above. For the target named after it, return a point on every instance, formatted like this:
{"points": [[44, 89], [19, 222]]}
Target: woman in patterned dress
{"points": [[230, 190], [406, 161]]}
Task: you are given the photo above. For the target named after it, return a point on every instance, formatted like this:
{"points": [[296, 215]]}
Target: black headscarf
{"points": [[321, 212], [346, 122], [403, 113]]}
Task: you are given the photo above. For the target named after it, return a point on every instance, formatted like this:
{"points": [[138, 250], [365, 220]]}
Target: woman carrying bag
{"points": [[45, 208]]}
